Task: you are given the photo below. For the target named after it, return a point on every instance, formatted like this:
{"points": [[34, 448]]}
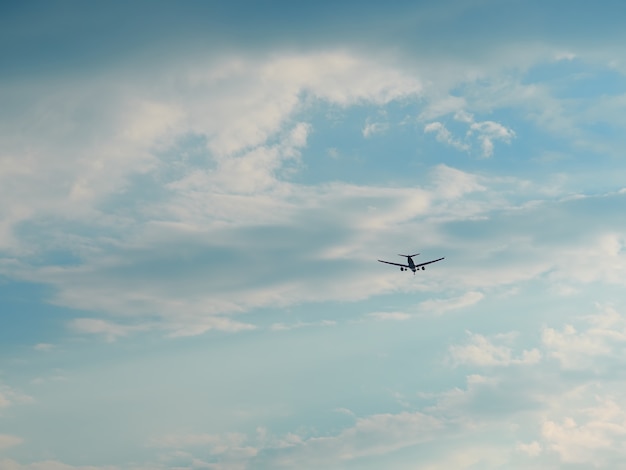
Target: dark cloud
{"points": [[45, 37]]}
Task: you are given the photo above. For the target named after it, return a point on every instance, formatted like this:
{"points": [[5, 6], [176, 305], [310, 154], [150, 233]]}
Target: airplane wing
{"points": [[428, 262], [396, 264]]}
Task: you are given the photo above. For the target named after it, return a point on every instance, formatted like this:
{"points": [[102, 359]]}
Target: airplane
{"points": [[411, 265]]}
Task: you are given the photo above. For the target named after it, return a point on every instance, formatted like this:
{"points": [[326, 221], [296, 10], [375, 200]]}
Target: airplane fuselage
{"points": [[410, 264]]}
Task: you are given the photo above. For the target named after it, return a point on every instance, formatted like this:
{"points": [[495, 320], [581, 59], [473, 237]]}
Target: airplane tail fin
{"points": [[409, 256]]}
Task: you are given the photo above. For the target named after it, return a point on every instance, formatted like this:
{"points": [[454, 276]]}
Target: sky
{"points": [[194, 196]]}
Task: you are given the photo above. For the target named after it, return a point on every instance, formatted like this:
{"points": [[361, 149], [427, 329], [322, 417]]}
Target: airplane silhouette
{"points": [[411, 265]]}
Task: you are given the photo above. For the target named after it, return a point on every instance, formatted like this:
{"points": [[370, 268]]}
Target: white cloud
{"points": [[44, 347], [455, 401], [396, 316], [228, 451], [469, 457], [532, 449], [9, 396], [71, 158], [463, 116], [292, 326], [443, 135], [217, 444], [489, 131], [179, 326], [579, 350], [584, 433], [486, 132], [242, 110], [443, 106], [57, 375], [197, 326], [249, 138], [452, 183], [483, 352], [253, 172], [190, 297], [336, 77], [190, 305], [344, 78], [440, 306], [564, 56], [344, 411], [7, 464], [6, 441], [375, 435], [602, 258], [143, 266], [111, 331], [372, 128]]}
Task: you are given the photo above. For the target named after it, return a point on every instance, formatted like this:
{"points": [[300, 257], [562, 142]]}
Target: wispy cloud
{"points": [[444, 136], [175, 193], [385, 316], [52, 465], [6, 441], [292, 326], [602, 336], [532, 449], [590, 431], [241, 183], [452, 183], [217, 444], [111, 331], [371, 436], [10, 396], [440, 306], [485, 132], [372, 128], [483, 352]]}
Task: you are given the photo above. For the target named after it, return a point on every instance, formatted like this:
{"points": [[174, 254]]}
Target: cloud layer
{"points": [[192, 209]]}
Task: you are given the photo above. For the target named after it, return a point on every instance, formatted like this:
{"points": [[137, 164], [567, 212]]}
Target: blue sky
{"points": [[194, 196]]}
